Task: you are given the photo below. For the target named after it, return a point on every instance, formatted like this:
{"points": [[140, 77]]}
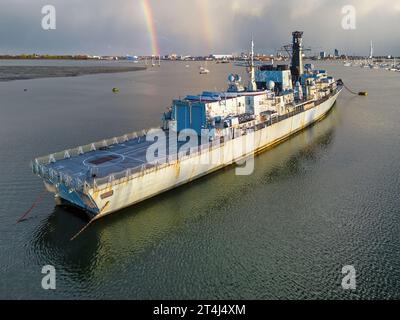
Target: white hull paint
{"points": [[140, 187]]}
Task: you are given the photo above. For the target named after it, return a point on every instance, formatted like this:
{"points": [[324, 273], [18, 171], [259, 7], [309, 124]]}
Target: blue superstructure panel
{"points": [[190, 115], [182, 115], [306, 76], [210, 94], [191, 97], [199, 120]]}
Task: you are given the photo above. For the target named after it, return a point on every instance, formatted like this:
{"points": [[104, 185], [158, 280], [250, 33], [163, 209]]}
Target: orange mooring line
{"points": [[89, 223], [37, 201], [83, 229]]}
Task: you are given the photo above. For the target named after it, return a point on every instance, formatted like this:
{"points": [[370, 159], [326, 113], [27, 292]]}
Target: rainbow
{"points": [[204, 6], [151, 27]]}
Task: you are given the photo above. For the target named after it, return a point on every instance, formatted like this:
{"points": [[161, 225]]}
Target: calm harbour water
{"points": [[326, 198]]}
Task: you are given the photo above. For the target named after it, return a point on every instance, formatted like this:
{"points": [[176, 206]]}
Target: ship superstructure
{"points": [[200, 134]]}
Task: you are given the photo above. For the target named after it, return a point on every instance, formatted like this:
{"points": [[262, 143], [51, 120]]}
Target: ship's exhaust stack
{"points": [[297, 57]]}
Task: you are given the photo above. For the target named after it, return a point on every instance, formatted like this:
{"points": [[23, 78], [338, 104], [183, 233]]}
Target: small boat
{"points": [[204, 71]]}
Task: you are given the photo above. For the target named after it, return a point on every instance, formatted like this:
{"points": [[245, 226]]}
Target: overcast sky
{"points": [[197, 26]]}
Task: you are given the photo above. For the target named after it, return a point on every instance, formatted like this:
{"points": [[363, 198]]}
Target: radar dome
{"points": [[231, 78], [238, 78], [271, 85]]}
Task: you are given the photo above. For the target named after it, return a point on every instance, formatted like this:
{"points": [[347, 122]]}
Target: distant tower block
{"points": [[297, 58], [336, 53]]}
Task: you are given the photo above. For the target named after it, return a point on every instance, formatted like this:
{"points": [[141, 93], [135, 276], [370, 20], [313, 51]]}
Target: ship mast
{"points": [[297, 68], [252, 82], [371, 52]]}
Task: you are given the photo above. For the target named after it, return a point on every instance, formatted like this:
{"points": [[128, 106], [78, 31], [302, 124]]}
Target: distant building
{"points": [[336, 53], [322, 55], [131, 58], [222, 56], [172, 56]]}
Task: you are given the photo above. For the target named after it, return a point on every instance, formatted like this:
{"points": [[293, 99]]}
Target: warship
{"points": [[200, 134]]}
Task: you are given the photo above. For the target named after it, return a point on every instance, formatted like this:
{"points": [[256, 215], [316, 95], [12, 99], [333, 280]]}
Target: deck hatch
{"points": [[102, 160]]}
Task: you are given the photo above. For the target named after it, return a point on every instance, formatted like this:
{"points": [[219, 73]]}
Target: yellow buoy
{"points": [[363, 93], [115, 90]]}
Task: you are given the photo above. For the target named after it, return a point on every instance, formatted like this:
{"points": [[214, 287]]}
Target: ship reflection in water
{"points": [[139, 230]]}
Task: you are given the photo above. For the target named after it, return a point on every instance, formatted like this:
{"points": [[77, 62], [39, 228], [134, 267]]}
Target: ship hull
{"points": [[115, 196]]}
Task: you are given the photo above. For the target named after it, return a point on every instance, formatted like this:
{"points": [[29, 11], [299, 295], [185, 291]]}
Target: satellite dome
{"points": [[271, 85], [231, 78], [238, 78]]}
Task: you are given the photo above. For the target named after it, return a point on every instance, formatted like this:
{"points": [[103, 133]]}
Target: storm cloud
{"points": [[197, 26]]}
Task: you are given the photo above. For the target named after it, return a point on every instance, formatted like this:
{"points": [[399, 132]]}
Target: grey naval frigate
{"points": [[199, 135]]}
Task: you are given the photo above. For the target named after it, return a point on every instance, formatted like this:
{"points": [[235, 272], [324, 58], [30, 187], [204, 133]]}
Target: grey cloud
{"points": [[197, 26]]}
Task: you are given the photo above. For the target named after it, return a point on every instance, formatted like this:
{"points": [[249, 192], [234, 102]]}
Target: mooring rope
{"points": [[82, 230], [91, 221], [361, 93], [35, 203], [348, 89]]}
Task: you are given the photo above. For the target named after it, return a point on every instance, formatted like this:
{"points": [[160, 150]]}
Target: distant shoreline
{"points": [[52, 57], [13, 73]]}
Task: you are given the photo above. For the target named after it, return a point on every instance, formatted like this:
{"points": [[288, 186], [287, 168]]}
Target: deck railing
{"points": [[65, 154], [40, 165]]}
